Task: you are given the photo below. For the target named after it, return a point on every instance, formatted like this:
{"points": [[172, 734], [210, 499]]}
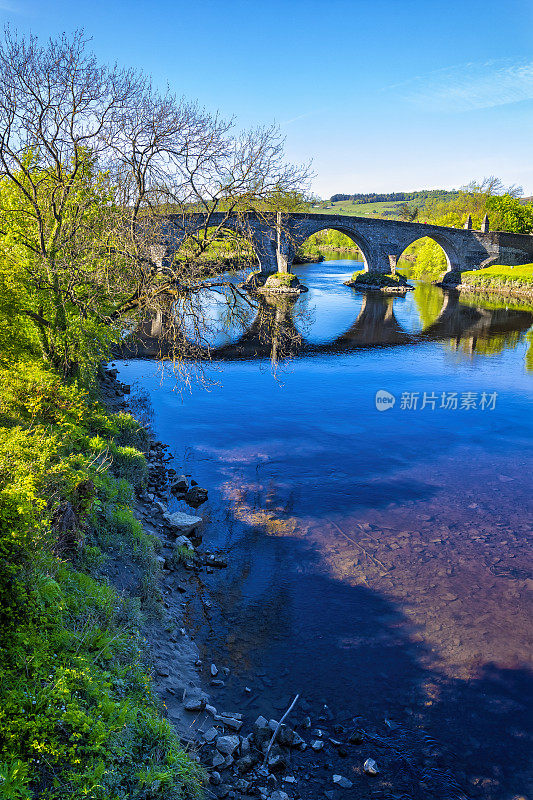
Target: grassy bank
{"points": [[499, 278], [78, 718]]}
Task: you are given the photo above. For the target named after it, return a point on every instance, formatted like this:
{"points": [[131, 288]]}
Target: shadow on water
{"points": [[361, 663]]}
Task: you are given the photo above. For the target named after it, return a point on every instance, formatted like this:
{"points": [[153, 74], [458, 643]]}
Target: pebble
{"points": [[342, 782], [214, 670], [317, 744], [370, 767]]}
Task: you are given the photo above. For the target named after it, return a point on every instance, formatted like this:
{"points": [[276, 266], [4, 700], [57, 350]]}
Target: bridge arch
{"points": [[447, 252], [361, 243]]}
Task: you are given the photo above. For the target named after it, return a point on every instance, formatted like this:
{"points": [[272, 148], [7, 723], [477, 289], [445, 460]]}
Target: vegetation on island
{"points": [[91, 160], [379, 280]]}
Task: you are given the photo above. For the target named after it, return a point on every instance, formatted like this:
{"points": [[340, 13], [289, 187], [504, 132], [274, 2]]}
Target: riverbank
{"points": [[79, 716], [507, 281]]}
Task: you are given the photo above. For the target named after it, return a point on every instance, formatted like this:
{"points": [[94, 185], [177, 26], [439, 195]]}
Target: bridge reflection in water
{"points": [[278, 330]]}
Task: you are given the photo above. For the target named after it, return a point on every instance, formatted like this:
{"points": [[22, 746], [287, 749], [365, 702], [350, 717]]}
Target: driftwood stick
{"points": [[278, 726], [360, 546]]}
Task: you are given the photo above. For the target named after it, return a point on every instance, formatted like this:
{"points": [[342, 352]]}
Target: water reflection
{"points": [[278, 328], [378, 563]]}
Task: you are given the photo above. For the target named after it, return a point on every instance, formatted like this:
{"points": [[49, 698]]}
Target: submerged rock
{"points": [[370, 767], [341, 782]]}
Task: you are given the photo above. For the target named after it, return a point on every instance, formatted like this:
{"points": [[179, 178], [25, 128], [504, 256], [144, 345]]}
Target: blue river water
{"points": [[379, 561]]}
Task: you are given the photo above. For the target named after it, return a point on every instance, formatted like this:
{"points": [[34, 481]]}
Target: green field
{"points": [[386, 209]]}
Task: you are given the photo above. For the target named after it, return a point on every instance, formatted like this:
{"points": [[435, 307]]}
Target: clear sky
{"points": [[382, 95]]}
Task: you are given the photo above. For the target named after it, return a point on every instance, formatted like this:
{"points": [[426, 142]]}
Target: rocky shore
{"points": [[306, 753]]}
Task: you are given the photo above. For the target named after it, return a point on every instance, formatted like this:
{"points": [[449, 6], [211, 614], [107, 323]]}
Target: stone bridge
{"points": [[275, 239]]}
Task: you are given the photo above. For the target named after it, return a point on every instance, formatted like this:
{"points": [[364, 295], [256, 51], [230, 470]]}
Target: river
{"points": [[379, 560]]}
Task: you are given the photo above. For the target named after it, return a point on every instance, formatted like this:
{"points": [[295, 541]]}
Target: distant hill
{"points": [[376, 204], [393, 197]]}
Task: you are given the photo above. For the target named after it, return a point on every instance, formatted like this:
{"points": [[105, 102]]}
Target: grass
{"points": [[346, 207], [378, 279], [78, 717], [281, 279], [499, 276]]}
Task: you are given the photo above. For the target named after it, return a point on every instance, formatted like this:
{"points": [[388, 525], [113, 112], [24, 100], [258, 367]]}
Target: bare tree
{"points": [[92, 161]]}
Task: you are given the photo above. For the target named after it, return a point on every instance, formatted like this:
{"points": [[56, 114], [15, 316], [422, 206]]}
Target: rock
{"points": [[279, 795], [210, 734], [262, 732], [370, 767], [196, 496], [230, 722], [286, 736], [211, 710], [182, 523], [298, 742], [217, 682], [246, 763], [194, 704], [183, 541], [306, 722], [214, 670], [215, 778], [289, 779], [356, 737], [317, 744], [161, 506], [227, 744], [218, 760], [341, 782], [242, 785], [180, 485], [276, 761], [223, 790]]}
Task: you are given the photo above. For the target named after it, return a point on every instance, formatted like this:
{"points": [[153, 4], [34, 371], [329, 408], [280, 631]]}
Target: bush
{"points": [[78, 717]]}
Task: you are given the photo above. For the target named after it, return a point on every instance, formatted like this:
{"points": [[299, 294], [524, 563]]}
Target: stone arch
{"points": [[363, 245], [453, 262]]}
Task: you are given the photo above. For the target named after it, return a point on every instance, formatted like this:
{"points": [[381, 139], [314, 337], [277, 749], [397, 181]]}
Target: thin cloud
{"points": [[470, 87], [301, 116]]}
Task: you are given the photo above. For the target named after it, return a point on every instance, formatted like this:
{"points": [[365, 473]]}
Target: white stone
{"points": [[184, 523]]}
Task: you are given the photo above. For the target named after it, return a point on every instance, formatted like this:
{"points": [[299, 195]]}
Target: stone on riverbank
{"points": [[182, 523]]}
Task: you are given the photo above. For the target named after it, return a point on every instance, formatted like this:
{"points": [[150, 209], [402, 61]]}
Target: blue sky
{"points": [[385, 95]]}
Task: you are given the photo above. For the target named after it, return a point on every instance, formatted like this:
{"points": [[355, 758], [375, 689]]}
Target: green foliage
{"points": [[377, 279], [507, 213], [424, 259], [78, 718], [498, 276], [281, 279]]}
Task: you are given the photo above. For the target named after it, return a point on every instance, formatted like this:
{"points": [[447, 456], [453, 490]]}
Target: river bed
{"points": [[379, 560]]}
